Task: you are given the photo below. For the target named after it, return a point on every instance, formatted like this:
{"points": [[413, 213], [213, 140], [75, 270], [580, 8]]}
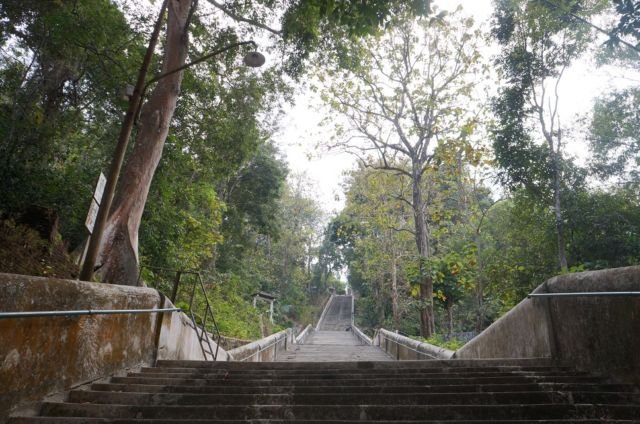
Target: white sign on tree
{"points": [[95, 203]]}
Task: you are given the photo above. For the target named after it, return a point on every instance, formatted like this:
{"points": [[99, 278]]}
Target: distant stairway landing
{"points": [[333, 346], [333, 341]]}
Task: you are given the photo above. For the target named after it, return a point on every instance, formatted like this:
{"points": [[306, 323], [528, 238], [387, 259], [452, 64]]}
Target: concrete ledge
{"points": [[263, 350], [40, 356], [406, 349], [361, 336], [324, 311], [599, 334], [300, 338]]}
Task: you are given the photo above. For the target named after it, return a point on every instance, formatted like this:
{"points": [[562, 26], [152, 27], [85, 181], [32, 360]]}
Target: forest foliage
{"points": [[465, 196]]}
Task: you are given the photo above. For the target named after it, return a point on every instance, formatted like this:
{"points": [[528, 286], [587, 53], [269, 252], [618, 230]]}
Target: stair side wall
{"points": [[599, 334], [46, 355]]}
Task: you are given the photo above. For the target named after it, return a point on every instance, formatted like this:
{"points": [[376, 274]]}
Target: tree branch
{"points": [[239, 18]]}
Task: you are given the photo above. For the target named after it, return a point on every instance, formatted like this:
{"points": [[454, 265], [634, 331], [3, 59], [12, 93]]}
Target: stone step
{"points": [[388, 388], [352, 376], [344, 412], [363, 365], [84, 420], [392, 371], [510, 379], [535, 397]]}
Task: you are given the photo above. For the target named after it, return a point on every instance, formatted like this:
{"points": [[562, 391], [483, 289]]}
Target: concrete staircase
{"points": [[456, 391], [337, 315], [333, 339], [334, 378]]}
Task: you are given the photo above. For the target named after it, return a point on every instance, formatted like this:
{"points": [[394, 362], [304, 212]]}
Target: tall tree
{"points": [[538, 44], [386, 236], [406, 95], [118, 253]]}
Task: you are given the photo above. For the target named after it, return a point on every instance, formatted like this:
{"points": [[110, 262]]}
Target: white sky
{"points": [[301, 130]]}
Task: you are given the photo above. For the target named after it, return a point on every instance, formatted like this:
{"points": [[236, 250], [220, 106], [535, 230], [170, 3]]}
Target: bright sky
{"points": [[301, 131]]}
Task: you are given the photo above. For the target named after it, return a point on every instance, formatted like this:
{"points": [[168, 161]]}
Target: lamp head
{"points": [[254, 59]]}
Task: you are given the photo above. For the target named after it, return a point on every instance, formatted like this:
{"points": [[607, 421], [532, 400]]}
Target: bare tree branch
{"points": [[239, 18]]}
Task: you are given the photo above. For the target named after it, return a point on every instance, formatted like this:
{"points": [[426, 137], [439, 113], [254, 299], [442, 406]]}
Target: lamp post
{"points": [[252, 59]]}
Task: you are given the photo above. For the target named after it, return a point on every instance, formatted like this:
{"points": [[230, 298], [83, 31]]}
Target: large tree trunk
{"points": [[427, 322], [118, 255]]}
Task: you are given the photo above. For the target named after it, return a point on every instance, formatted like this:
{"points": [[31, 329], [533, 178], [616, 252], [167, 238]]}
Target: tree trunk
{"points": [[554, 147], [118, 255], [427, 322], [450, 319], [394, 289], [557, 209]]}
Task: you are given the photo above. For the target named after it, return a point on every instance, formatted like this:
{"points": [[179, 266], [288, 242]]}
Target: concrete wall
{"points": [[523, 332], [404, 348], [229, 343], [300, 338], [263, 350], [364, 339], [40, 356], [179, 340], [599, 334]]}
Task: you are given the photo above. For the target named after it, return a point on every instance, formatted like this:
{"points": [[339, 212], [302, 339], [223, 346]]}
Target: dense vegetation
{"points": [[465, 198]]}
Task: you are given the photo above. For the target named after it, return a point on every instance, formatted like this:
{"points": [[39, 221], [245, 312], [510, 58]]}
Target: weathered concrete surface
{"points": [[40, 356], [263, 350], [591, 333], [405, 349], [523, 332], [300, 338], [179, 340], [360, 335]]}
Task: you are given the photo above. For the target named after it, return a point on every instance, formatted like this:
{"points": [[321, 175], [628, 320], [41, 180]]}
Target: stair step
{"points": [[349, 376], [84, 420], [536, 397], [362, 365], [365, 373], [389, 388], [344, 412], [354, 382]]}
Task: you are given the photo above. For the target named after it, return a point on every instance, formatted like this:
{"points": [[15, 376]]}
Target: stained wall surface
{"points": [[599, 333], [40, 356]]}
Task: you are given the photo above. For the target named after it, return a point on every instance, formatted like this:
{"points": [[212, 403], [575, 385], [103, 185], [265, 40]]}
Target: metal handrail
{"points": [[587, 294], [31, 314], [201, 328]]}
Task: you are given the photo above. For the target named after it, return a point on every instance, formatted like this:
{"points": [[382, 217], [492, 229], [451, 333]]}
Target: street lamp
{"points": [[252, 59]]}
